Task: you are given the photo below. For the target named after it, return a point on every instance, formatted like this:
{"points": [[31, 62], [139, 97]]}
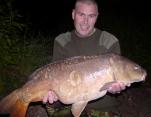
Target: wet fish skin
{"points": [[75, 81]]}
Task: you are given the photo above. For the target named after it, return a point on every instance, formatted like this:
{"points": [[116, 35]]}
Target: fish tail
{"points": [[6, 104], [13, 105], [19, 109]]}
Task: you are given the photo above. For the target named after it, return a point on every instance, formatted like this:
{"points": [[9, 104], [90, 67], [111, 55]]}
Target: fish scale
{"points": [[75, 81]]}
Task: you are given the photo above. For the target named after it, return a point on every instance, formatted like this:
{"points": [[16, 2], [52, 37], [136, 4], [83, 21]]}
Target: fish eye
{"points": [[136, 67]]}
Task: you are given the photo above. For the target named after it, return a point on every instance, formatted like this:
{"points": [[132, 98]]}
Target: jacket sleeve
{"points": [[115, 48], [59, 50], [110, 42]]}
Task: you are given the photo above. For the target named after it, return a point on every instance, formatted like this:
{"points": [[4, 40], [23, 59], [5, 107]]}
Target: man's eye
{"points": [[81, 14], [136, 67], [92, 16]]}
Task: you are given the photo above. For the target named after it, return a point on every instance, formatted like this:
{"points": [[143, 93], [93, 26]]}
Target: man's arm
{"points": [[58, 54], [112, 45], [58, 51], [115, 48], [110, 42]]}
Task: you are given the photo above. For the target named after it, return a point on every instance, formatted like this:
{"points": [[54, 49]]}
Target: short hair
{"points": [[87, 2]]}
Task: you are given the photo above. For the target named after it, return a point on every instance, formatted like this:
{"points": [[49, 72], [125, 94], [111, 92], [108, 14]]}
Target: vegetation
{"points": [[21, 51]]}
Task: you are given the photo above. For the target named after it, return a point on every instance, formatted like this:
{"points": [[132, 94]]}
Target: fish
{"points": [[76, 81]]}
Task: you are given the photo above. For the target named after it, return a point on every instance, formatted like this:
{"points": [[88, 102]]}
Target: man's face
{"points": [[85, 16]]}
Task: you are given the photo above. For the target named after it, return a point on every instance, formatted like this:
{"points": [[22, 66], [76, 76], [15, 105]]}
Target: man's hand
{"points": [[51, 97], [117, 87]]}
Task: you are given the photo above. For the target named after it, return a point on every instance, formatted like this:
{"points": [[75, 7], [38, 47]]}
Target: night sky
{"points": [[50, 14]]}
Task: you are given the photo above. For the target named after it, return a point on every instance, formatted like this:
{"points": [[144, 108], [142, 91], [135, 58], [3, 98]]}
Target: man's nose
{"points": [[86, 20]]}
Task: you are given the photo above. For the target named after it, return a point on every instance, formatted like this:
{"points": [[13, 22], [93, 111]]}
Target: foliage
{"points": [[66, 111], [10, 34], [20, 51], [10, 29]]}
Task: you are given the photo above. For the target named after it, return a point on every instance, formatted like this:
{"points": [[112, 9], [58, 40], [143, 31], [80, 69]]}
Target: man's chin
{"points": [[84, 33]]}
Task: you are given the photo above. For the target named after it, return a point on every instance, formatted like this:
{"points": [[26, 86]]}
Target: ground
{"points": [[134, 102]]}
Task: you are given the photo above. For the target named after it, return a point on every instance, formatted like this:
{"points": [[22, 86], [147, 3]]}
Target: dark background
{"points": [[128, 20], [53, 14], [26, 36], [26, 39]]}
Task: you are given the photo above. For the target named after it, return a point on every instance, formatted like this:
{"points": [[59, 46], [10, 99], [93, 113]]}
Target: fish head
{"points": [[126, 71]]}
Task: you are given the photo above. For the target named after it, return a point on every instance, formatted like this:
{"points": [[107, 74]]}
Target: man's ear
{"points": [[73, 13]]}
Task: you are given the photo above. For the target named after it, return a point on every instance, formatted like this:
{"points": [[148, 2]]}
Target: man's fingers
{"points": [[50, 97], [128, 85], [116, 87], [55, 98], [122, 86], [45, 99]]}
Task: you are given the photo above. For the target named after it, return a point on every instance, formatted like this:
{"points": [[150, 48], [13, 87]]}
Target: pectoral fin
{"points": [[106, 86], [19, 109], [78, 107]]}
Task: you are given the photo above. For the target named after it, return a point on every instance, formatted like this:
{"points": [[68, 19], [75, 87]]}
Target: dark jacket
{"points": [[69, 44]]}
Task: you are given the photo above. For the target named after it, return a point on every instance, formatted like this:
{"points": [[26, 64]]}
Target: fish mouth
{"points": [[144, 75], [142, 78]]}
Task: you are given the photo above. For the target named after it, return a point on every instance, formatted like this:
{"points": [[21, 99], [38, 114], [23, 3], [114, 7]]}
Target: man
{"points": [[87, 40]]}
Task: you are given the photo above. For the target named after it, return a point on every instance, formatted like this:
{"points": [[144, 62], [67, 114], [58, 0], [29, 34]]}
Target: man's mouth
{"points": [[84, 28]]}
